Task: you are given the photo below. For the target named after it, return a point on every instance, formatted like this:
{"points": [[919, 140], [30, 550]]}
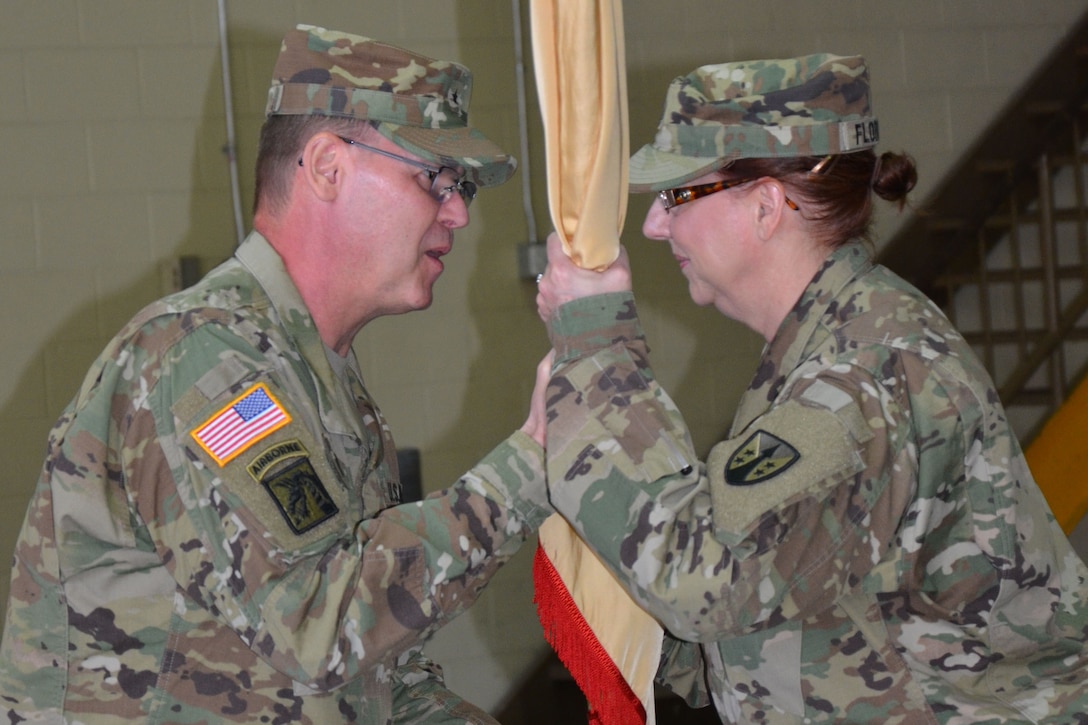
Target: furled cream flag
{"points": [[608, 643]]}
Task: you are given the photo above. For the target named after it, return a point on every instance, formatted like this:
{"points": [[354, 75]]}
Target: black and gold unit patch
{"points": [[286, 473], [759, 458]]}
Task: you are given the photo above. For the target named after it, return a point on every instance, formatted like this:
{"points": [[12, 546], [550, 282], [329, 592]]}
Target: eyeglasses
{"points": [[444, 181], [684, 194]]}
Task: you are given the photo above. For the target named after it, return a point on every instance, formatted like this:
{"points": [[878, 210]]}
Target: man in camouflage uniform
{"points": [[867, 544], [215, 536]]}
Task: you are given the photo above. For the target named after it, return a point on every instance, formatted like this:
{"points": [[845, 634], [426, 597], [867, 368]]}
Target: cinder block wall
{"points": [[112, 124]]}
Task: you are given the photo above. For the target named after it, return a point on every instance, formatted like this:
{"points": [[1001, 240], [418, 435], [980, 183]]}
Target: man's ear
{"points": [[322, 162], [771, 205]]}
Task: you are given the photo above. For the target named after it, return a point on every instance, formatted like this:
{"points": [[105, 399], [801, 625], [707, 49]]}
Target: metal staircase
{"points": [[1002, 244]]}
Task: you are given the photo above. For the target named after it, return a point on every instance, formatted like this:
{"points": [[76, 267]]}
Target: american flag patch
{"points": [[247, 419]]}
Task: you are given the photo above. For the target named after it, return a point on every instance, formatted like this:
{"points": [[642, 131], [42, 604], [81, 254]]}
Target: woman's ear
{"points": [[321, 165], [771, 205]]}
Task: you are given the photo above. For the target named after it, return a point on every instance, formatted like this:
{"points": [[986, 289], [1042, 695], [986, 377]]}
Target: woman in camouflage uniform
{"points": [[867, 544]]}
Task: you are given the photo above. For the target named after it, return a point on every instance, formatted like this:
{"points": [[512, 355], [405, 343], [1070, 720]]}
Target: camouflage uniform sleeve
{"points": [[420, 695], [274, 541], [777, 523], [683, 671]]}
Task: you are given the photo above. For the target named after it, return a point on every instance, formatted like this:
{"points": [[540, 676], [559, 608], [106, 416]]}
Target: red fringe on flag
{"points": [[611, 699]]}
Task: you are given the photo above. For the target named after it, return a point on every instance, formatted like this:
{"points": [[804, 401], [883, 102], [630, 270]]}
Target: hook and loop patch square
{"points": [[797, 451]]}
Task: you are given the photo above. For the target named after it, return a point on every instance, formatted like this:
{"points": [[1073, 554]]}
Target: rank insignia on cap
{"points": [[246, 420], [760, 457], [300, 496]]}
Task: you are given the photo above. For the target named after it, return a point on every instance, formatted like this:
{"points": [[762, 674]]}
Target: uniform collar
{"points": [[266, 265], [817, 307]]}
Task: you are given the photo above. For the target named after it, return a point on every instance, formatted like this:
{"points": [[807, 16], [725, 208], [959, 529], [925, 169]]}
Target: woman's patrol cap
{"points": [[421, 103], [814, 105]]}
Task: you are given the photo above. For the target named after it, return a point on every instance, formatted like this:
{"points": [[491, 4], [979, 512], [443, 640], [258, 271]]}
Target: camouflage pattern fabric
{"points": [[167, 574], [419, 103], [867, 545], [813, 105]]}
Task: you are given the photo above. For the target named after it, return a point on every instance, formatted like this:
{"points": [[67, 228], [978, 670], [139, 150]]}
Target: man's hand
{"points": [[564, 281], [537, 422]]}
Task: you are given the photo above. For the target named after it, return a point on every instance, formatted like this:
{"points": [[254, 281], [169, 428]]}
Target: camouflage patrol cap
{"points": [[809, 106], [421, 103]]}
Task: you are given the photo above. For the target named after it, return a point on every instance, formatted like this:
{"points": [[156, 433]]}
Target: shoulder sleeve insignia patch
{"points": [[760, 457], [244, 421], [300, 496], [276, 454]]}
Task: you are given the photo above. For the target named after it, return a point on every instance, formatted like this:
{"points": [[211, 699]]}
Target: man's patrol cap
{"points": [[813, 105], [421, 103]]}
